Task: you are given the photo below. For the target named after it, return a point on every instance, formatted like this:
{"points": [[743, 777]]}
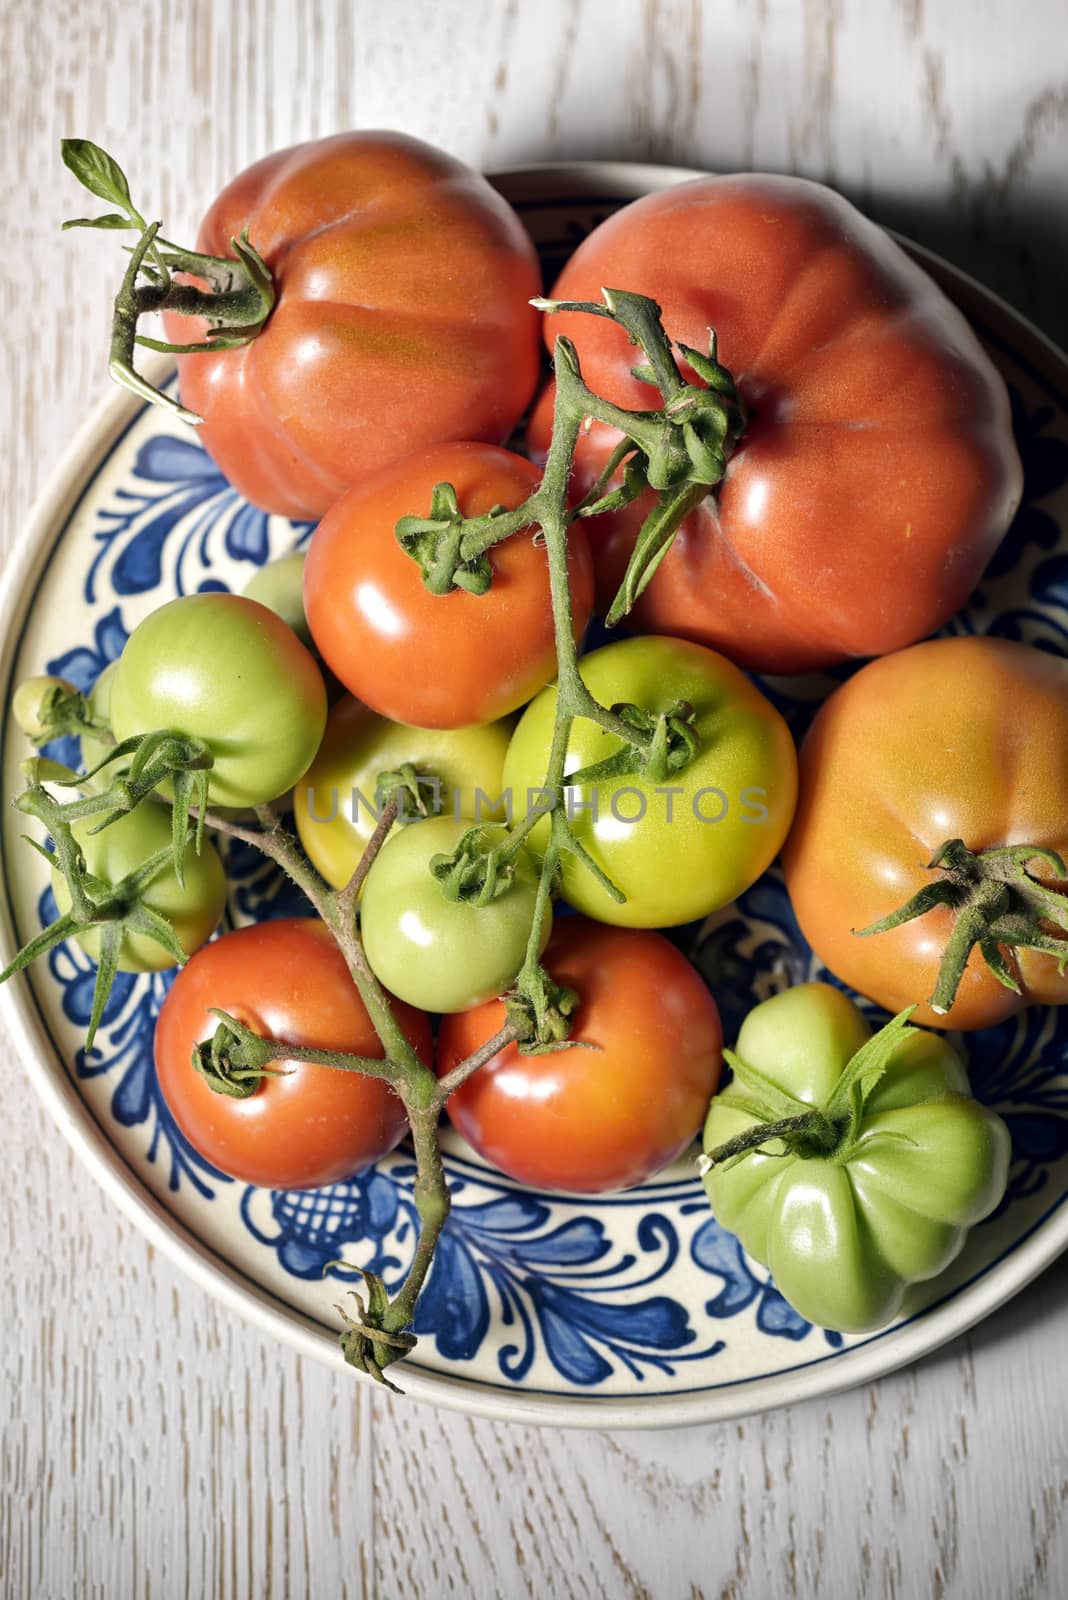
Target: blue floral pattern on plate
{"points": [[627, 1294]]}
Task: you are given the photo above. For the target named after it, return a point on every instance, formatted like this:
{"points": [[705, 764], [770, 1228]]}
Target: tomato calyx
{"points": [[236, 304], [479, 870], [997, 903], [542, 1013], [826, 1132], [672, 743], [684, 447], [435, 542], [415, 792]]}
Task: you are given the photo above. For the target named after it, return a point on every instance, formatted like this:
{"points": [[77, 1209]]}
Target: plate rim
{"points": [[71, 1113]]}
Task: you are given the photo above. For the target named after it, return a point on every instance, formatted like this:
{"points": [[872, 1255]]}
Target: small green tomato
{"points": [[192, 911], [438, 954], [225, 670], [31, 701], [877, 1190]]}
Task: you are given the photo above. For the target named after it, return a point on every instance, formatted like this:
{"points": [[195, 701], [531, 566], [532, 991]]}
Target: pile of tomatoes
{"points": [[873, 479]]}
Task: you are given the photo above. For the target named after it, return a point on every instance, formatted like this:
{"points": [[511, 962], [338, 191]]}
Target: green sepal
{"points": [[542, 1012], [996, 902], [471, 874], [419, 793], [434, 542]]}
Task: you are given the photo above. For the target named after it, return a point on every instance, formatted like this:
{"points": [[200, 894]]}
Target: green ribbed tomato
{"points": [[879, 1191]]}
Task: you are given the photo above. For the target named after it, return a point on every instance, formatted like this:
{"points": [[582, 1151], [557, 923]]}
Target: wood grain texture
{"points": [[152, 1444]]}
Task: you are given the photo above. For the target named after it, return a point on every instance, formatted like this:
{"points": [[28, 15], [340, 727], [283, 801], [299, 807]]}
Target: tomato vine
{"points": [[680, 451]]}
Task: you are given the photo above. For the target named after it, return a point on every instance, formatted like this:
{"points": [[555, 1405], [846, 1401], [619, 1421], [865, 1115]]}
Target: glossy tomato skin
{"points": [[334, 802], [437, 661], [845, 1235], [316, 1125], [590, 1121], [961, 738], [193, 909], [680, 849], [225, 669], [877, 474], [402, 318], [435, 953]]}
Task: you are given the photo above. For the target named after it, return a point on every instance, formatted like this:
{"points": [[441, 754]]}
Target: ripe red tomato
{"points": [[286, 980], [877, 472], [402, 318], [607, 1118], [963, 738], [437, 661]]}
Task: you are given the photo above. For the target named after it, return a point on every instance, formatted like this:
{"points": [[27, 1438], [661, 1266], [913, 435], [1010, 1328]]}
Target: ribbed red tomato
{"points": [[402, 318], [287, 980], [437, 661], [877, 472], [589, 1120]]}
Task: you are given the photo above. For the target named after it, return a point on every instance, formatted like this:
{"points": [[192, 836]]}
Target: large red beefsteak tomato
{"points": [[877, 472]]}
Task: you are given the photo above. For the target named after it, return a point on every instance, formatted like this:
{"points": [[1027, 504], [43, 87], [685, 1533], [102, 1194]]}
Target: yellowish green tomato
{"points": [[335, 800], [681, 847], [279, 585], [192, 911], [876, 1194], [438, 954], [228, 671]]}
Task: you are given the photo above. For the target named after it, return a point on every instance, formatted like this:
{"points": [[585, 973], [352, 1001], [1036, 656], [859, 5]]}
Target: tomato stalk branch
{"points": [[680, 450], [422, 1095], [240, 292]]}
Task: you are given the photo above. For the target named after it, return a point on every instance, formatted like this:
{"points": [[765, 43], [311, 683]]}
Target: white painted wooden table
{"points": [[155, 1446]]}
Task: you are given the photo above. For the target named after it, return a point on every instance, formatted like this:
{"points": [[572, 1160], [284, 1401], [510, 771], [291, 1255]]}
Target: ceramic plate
{"points": [[633, 1310]]}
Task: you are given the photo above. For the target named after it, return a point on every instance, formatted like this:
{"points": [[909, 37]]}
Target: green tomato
{"points": [[335, 800], [192, 911], [94, 750], [845, 1230], [226, 670], [682, 848], [279, 585], [438, 954], [32, 698]]}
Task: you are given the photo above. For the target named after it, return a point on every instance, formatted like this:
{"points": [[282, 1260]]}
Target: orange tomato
{"points": [[589, 1120], [963, 738], [877, 472], [287, 980], [437, 661], [401, 319]]}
